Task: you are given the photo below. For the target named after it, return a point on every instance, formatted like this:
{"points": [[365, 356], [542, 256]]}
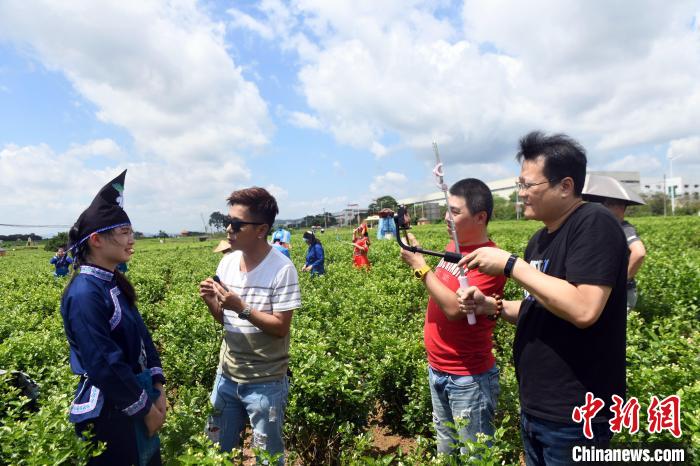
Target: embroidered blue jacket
{"points": [[109, 346], [314, 258], [62, 265]]}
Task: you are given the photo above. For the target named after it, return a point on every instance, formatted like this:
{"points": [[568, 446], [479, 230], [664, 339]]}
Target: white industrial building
{"points": [[682, 186]]}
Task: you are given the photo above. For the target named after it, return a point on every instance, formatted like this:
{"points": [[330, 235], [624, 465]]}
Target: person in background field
{"points": [[62, 263], [462, 372], [636, 248], [254, 301], [283, 236], [360, 239], [224, 247], [120, 394], [613, 195], [570, 337], [386, 229], [314, 255], [277, 245]]}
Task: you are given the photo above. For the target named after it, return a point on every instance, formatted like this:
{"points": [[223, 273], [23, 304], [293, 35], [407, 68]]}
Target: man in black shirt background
{"points": [[570, 336]]}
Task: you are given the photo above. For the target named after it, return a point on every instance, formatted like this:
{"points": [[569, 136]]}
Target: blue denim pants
{"points": [[471, 398], [631, 295], [235, 403], [550, 443]]}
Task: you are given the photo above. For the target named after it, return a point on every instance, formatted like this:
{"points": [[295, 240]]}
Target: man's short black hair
{"points": [[563, 157], [476, 195]]}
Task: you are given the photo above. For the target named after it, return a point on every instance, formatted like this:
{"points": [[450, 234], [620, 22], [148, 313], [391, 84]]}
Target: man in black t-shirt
{"points": [[570, 336]]}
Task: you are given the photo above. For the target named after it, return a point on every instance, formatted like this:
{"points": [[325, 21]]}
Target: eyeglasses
{"points": [[526, 186], [236, 224]]}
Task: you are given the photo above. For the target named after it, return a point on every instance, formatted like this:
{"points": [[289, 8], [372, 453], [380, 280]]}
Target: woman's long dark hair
{"points": [[80, 254], [312, 237]]}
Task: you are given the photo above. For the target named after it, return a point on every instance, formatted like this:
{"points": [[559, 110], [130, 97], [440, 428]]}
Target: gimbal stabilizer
{"points": [[403, 225]]}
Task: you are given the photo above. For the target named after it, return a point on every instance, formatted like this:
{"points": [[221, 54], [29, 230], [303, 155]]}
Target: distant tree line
{"points": [[685, 205], [20, 237]]}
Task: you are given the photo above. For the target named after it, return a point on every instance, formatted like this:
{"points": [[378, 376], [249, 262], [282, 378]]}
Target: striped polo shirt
{"points": [[247, 353]]}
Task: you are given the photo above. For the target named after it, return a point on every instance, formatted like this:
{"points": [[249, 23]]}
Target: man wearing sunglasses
{"points": [[570, 335], [255, 297]]}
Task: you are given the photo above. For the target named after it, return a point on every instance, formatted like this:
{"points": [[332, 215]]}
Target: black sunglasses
{"points": [[236, 224]]}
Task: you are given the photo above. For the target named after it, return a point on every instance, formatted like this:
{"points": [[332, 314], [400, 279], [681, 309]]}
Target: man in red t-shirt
{"points": [[463, 376]]}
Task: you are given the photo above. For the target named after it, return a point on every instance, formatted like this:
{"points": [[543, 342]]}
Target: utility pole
{"points": [[670, 155], [201, 215], [664, 194], [352, 212], [673, 186]]}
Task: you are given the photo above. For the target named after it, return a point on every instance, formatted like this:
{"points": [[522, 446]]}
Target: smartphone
{"points": [[218, 280], [402, 218]]}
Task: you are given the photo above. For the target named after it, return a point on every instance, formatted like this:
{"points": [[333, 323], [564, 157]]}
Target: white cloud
{"points": [[245, 21], [159, 69], [304, 120], [645, 164], [379, 150], [34, 178], [38, 183], [398, 70], [278, 192], [390, 183], [482, 171], [685, 150], [104, 147], [607, 76]]}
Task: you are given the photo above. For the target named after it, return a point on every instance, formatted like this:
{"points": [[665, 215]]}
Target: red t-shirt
{"points": [[455, 346]]}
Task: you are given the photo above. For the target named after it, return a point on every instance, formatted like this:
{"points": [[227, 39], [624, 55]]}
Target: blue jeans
{"points": [[471, 398], [631, 295], [235, 403], [550, 443]]}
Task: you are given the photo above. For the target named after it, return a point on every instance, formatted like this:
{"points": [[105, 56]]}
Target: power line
{"points": [[33, 226]]}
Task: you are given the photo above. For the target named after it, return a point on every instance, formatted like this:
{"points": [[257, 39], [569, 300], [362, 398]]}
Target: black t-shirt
{"points": [[556, 363]]}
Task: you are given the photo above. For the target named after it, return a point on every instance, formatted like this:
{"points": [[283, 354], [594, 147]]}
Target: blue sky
{"points": [[326, 103]]}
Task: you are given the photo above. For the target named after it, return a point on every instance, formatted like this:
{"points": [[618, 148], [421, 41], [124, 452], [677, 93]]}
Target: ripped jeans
{"points": [[471, 398], [262, 403]]}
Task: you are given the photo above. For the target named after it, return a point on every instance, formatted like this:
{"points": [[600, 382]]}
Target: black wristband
{"points": [[508, 269]]}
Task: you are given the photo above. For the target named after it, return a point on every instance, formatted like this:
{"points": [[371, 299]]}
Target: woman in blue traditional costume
{"points": [[315, 262], [119, 396]]}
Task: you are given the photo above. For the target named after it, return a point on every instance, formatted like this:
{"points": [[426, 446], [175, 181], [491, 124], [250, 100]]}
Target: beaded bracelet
{"points": [[499, 307]]}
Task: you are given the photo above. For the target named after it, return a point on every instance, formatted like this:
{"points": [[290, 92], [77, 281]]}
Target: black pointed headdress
{"points": [[105, 212]]}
